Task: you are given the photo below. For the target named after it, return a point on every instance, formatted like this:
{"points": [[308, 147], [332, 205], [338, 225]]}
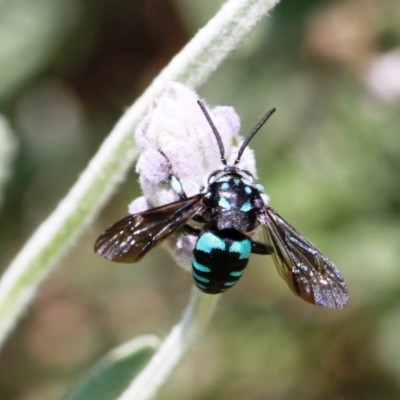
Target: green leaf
{"points": [[106, 379]]}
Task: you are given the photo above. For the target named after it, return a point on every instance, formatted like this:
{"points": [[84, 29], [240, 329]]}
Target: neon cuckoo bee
{"points": [[228, 209]]}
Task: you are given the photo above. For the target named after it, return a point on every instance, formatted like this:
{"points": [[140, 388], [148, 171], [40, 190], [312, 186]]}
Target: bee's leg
{"points": [[261, 248], [174, 180], [191, 230]]}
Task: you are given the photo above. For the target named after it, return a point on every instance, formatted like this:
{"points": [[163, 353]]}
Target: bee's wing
{"points": [[129, 239], [309, 274]]}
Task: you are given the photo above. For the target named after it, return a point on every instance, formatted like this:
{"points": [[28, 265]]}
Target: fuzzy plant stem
{"points": [[181, 338], [192, 66]]}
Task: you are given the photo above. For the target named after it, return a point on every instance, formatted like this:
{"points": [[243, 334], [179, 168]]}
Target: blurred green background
{"points": [[329, 159]]}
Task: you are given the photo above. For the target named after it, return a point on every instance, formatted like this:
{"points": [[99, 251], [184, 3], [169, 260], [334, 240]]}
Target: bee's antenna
{"points": [[214, 129], [252, 133]]}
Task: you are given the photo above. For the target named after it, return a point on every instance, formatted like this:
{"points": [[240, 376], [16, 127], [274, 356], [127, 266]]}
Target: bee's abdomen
{"points": [[219, 260]]}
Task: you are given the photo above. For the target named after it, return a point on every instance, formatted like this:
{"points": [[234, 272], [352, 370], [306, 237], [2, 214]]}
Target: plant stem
{"points": [[181, 338]]}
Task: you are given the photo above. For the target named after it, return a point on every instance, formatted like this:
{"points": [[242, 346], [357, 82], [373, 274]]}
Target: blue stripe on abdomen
{"points": [[209, 241], [219, 260], [242, 247], [200, 267], [197, 277]]}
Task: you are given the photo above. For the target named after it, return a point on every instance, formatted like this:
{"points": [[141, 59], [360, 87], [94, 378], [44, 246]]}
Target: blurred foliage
{"points": [[329, 158], [7, 153]]}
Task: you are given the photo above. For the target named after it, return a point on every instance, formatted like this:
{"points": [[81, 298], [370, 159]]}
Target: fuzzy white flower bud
{"points": [[176, 133]]}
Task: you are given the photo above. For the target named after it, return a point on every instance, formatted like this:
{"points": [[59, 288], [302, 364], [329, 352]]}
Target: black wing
{"points": [[129, 239], [309, 274]]}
